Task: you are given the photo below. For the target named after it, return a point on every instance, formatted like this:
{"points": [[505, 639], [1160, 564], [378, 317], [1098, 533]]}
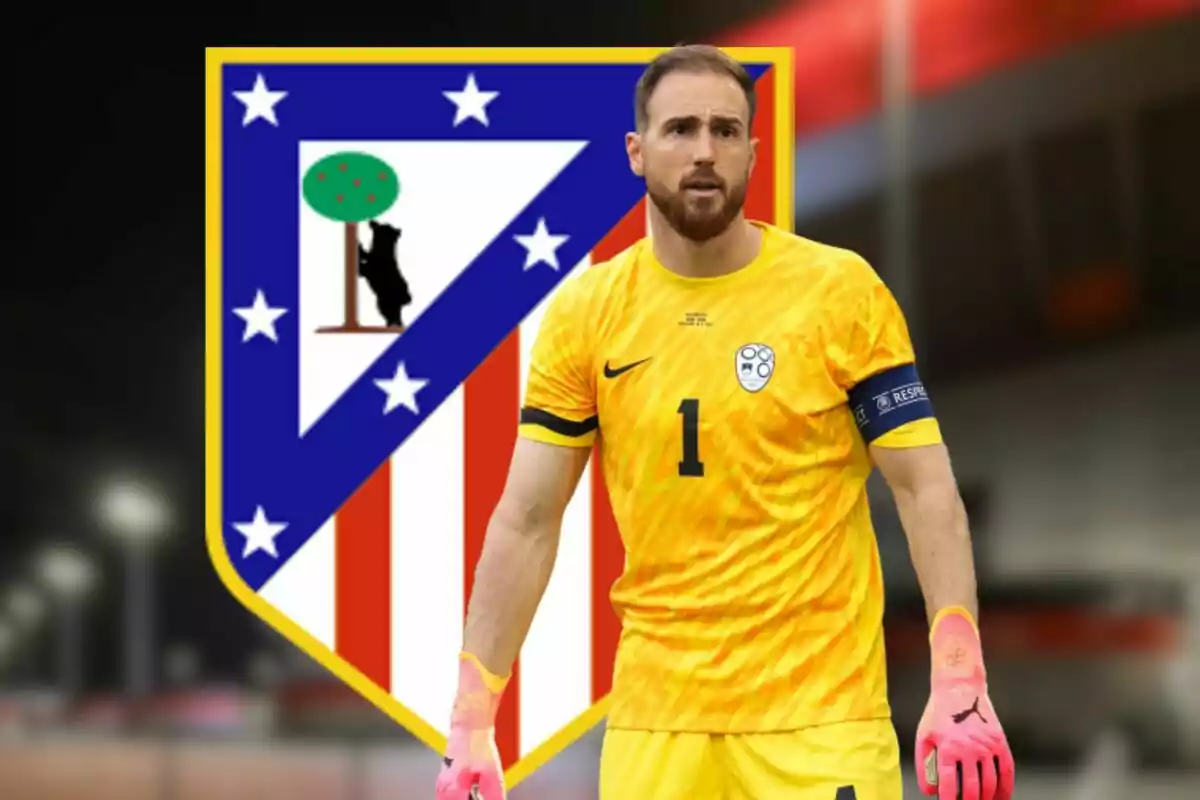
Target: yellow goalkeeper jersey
{"points": [[733, 415]]}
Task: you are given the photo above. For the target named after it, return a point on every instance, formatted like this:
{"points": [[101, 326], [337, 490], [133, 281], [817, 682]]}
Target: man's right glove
{"points": [[471, 768]]}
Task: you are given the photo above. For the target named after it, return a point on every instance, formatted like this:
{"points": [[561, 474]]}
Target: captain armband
{"points": [[889, 399]]}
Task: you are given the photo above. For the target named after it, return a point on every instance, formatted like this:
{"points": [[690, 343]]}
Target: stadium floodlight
{"points": [[137, 514], [67, 572], [134, 511], [69, 575]]}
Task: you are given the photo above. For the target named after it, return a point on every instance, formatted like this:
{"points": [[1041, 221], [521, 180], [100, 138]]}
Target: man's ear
{"points": [[633, 148], [753, 154]]}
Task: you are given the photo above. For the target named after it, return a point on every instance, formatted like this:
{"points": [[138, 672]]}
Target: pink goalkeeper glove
{"points": [[471, 768], [959, 733]]}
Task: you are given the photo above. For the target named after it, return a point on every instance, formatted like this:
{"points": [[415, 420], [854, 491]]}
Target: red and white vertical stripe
{"points": [[385, 583]]}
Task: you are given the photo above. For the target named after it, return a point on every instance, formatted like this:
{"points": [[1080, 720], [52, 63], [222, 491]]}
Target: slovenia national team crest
{"points": [[754, 365], [385, 228]]}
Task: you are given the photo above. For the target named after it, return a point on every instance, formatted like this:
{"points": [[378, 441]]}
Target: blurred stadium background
{"points": [[1023, 173]]}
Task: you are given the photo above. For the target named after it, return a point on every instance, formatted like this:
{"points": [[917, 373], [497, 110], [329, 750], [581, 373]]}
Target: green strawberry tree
{"points": [[350, 188]]}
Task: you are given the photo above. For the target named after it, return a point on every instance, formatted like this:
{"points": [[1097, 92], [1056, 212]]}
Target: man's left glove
{"points": [[961, 751]]}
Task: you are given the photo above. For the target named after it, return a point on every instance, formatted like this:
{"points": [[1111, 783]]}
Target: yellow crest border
{"points": [[780, 59]]}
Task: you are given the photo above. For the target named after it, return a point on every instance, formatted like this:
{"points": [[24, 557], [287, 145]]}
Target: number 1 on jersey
{"points": [[691, 466]]}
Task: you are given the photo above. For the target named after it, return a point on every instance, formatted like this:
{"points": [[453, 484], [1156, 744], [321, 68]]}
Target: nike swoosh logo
{"points": [[609, 372]]}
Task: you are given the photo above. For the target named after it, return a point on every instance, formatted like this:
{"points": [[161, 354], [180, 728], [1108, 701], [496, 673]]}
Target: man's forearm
{"points": [[510, 579], [939, 541]]}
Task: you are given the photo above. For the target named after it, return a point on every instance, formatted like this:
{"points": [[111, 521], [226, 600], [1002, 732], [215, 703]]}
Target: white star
{"points": [[401, 390], [260, 534], [471, 102], [260, 318], [260, 102], [540, 246]]}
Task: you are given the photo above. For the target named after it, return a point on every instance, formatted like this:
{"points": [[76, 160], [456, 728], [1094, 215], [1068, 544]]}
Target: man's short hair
{"points": [[692, 58]]}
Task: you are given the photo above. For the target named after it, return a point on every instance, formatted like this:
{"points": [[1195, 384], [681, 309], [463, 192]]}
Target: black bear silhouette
{"points": [[381, 270]]}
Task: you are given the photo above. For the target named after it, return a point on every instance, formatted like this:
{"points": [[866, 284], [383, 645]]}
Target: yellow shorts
{"points": [[846, 761]]}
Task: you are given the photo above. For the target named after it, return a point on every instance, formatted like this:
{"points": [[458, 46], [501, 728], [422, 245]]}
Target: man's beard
{"points": [[708, 221]]}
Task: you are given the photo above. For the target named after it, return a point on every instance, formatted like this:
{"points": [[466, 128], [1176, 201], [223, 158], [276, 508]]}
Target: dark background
{"points": [[1054, 270]]}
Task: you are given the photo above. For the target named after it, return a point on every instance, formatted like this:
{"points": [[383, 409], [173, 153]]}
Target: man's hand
{"points": [[962, 751], [471, 768]]}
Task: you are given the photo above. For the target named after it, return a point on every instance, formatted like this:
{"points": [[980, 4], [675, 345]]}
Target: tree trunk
{"points": [[351, 311]]}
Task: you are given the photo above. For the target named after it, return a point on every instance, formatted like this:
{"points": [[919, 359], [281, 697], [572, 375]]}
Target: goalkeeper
{"points": [[736, 453]]}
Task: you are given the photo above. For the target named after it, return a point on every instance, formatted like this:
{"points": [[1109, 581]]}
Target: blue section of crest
{"points": [[302, 481]]}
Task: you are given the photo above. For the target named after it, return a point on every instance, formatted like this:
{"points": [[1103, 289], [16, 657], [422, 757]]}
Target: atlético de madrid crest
{"points": [[385, 228], [755, 364]]}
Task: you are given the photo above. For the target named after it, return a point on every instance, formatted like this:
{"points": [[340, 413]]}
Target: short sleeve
{"points": [[868, 333], [871, 357], [559, 406]]}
